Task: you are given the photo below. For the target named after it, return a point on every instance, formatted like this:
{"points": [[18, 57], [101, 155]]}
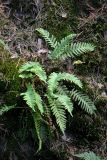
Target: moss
{"points": [[9, 81], [60, 18]]}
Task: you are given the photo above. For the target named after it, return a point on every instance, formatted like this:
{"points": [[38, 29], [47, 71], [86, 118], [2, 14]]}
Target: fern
{"points": [[59, 113], [29, 69], [48, 38], [54, 79], [37, 123], [76, 49], [5, 108], [62, 46], [66, 47], [58, 104], [33, 99], [66, 102], [88, 156], [60, 98], [57, 99], [83, 101]]}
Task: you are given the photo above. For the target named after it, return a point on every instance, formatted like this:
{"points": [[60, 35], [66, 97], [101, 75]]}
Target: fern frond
{"points": [[64, 99], [62, 46], [66, 102], [37, 122], [33, 99], [29, 69], [5, 108], [50, 39], [63, 90], [76, 49], [55, 78], [58, 112], [87, 156], [83, 101]]}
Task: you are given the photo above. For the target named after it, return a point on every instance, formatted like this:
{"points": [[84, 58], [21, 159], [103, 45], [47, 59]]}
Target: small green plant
{"points": [[2, 44], [5, 108], [54, 98], [66, 47], [88, 156]]}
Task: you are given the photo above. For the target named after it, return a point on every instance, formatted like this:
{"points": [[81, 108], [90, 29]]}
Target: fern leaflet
{"points": [[48, 38], [37, 121], [33, 99], [30, 69], [83, 101], [58, 112], [54, 79], [66, 102], [62, 46], [76, 49]]}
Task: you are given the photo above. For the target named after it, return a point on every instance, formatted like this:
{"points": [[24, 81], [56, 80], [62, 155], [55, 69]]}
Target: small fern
{"points": [[5, 108], [66, 47], [61, 95], [57, 98], [88, 156]]}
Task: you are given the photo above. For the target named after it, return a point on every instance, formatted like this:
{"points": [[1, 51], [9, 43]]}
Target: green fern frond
{"points": [[37, 122], [66, 102], [62, 46], [54, 79], [64, 98], [87, 156], [30, 69], [62, 89], [83, 101], [58, 112], [76, 49], [5, 108], [50, 39], [33, 99]]}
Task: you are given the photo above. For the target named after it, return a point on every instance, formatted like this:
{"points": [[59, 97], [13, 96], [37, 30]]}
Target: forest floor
{"points": [[18, 22]]}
